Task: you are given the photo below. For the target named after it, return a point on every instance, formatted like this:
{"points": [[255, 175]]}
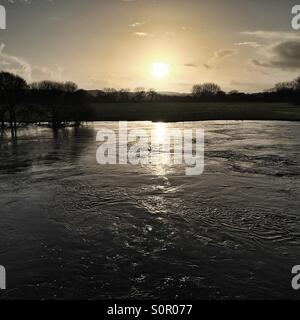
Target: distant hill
{"points": [[95, 93], [171, 93]]}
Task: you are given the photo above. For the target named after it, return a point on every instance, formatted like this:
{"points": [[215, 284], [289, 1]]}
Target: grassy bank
{"points": [[189, 111]]}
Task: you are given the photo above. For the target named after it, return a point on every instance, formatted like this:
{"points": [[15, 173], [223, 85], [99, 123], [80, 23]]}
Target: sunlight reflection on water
{"points": [[161, 130]]}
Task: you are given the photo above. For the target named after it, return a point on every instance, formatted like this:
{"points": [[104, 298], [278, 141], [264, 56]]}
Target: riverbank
{"points": [[193, 111], [173, 112]]}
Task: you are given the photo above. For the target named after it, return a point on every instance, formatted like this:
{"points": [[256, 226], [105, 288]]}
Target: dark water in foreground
{"points": [[70, 228]]}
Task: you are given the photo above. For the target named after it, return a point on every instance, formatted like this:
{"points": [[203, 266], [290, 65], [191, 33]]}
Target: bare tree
{"points": [[124, 95], [70, 87], [152, 95], [140, 94], [3, 109], [11, 89], [206, 90], [111, 94], [54, 96], [284, 86], [296, 84]]}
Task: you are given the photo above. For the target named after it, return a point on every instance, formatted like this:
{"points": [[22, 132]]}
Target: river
{"points": [[73, 229]]}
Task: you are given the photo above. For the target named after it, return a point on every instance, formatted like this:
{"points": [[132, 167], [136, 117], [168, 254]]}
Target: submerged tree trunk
{"points": [[12, 121], [2, 126], [55, 123], [2, 116]]}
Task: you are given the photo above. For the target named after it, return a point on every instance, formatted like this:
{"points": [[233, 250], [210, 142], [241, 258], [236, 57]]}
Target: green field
{"points": [[189, 111]]}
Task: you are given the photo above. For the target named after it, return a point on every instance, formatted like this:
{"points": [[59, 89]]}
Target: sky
{"points": [[246, 45]]}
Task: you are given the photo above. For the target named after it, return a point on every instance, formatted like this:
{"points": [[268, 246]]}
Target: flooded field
{"points": [[73, 229]]}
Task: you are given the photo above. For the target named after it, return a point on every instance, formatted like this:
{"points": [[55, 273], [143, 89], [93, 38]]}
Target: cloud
{"points": [[252, 44], [19, 66], [219, 56], [284, 55], [25, 1], [154, 29], [14, 64], [273, 35], [39, 73], [20, 1], [143, 34], [191, 65], [137, 24], [186, 28], [248, 86]]}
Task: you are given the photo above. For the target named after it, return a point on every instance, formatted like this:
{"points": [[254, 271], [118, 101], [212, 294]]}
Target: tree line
{"points": [[63, 103], [56, 103]]}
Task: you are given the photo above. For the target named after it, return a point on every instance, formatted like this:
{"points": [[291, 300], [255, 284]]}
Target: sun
{"points": [[160, 70]]}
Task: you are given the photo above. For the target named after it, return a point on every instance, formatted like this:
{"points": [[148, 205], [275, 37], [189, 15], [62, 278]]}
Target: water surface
{"points": [[70, 228]]}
